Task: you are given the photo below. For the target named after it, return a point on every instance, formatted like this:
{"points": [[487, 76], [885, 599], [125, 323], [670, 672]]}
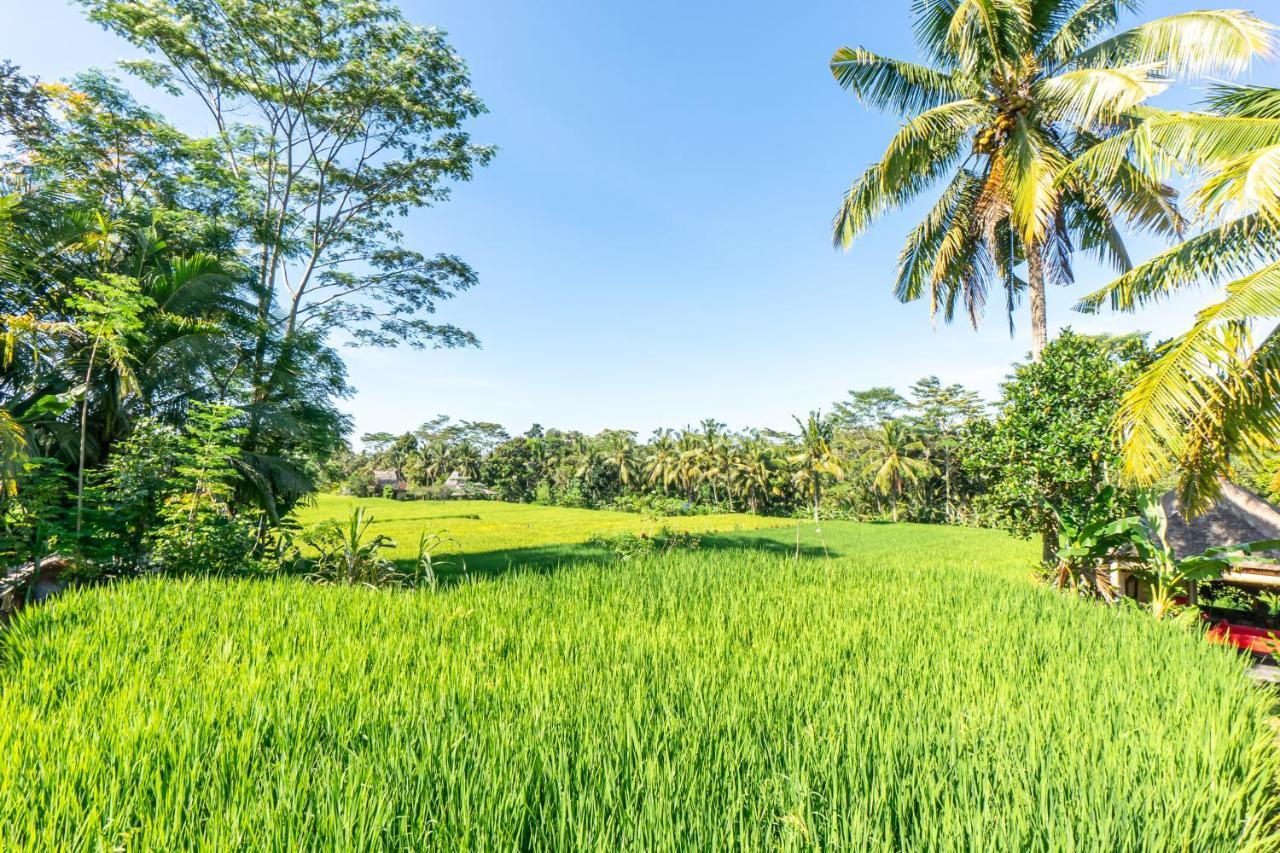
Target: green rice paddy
{"points": [[894, 687]]}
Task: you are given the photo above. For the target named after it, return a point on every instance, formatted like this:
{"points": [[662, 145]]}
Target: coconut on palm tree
{"points": [[1214, 391], [1014, 91]]}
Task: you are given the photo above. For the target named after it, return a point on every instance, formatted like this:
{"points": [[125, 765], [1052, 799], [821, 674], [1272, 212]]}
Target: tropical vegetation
{"points": [[1210, 397]]}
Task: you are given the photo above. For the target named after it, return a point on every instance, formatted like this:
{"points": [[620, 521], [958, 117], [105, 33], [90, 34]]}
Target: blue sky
{"points": [[652, 239]]}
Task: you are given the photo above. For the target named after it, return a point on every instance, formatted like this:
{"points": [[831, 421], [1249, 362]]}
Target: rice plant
{"points": [[911, 694]]}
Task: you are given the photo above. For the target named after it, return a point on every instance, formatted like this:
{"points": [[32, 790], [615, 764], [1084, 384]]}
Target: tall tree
{"points": [[1015, 91], [339, 117], [939, 411], [866, 409], [815, 457], [892, 457], [1052, 446]]}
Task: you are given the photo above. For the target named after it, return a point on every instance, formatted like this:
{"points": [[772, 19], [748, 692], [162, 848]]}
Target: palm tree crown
{"points": [[1016, 90]]}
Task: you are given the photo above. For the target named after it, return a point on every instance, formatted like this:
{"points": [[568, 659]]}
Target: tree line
{"points": [[936, 454]]}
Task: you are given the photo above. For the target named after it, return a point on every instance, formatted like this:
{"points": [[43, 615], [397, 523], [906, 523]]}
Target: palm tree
{"points": [[1214, 390], [754, 473], [890, 458], [662, 464], [1017, 90], [436, 461], [815, 457], [466, 459], [618, 453]]}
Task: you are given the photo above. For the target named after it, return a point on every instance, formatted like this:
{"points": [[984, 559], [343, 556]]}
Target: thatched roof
{"points": [[1238, 516], [389, 478]]}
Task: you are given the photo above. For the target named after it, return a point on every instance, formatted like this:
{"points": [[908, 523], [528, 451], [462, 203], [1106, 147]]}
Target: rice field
{"points": [[896, 687], [492, 535]]}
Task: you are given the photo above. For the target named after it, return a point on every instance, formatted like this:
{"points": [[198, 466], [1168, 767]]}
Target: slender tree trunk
{"points": [[817, 495], [1039, 322], [947, 476], [84, 432]]}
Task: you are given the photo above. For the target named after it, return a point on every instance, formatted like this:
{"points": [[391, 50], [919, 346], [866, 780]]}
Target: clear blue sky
{"points": [[652, 239]]}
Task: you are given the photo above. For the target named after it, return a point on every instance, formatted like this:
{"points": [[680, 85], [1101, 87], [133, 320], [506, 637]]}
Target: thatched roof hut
{"points": [[1238, 516], [389, 479]]}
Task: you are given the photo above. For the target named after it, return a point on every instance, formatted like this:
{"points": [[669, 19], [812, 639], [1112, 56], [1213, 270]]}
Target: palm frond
{"points": [[891, 84], [919, 256], [1079, 27], [1245, 184], [989, 33], [1088, 96], [1200, 43], [1228, 251], [1187, 382], [920, 153], [1032, 165], [1240, 422], [1245, 101]]}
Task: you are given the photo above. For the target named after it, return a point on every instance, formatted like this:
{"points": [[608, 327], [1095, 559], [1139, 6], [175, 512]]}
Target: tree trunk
{"points": [[947, 477], [1039, 323], [1049, 543], [817, 496], [84, 431]]}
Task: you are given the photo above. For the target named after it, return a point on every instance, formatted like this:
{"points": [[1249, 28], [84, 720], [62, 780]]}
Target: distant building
{"points": [[390, 479]]}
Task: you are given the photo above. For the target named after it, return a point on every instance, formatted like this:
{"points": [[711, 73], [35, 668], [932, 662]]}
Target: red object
{"points": [[1263, 641]]}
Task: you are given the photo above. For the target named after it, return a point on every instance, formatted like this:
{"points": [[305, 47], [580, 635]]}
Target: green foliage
{"points": [[1052, 443], [34, 516], [1167, 574], [350, 553], [1210, 398], [197, 530], [719, 697], [131, 488], [1088, 535]]}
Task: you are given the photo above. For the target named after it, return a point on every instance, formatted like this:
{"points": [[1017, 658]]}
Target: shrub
{"points": [[350, 553], [196, 529]]}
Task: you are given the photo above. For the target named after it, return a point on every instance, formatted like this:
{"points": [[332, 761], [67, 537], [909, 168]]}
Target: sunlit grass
{"points": [[493, 532], [913, 691]]}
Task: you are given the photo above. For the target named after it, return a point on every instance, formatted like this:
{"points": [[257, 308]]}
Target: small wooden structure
{"points": [[29, 584], [390, 479]]}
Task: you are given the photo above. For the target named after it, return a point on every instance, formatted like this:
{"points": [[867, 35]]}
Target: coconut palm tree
{"points": [[1214, 390], [1015, 91], [815, 458], [618, 452], [754, 473], [890, 457], [435, 461], [662, 464]]}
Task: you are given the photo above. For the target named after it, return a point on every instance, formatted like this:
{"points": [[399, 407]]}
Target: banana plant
{"points": [[1091, 537]]}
